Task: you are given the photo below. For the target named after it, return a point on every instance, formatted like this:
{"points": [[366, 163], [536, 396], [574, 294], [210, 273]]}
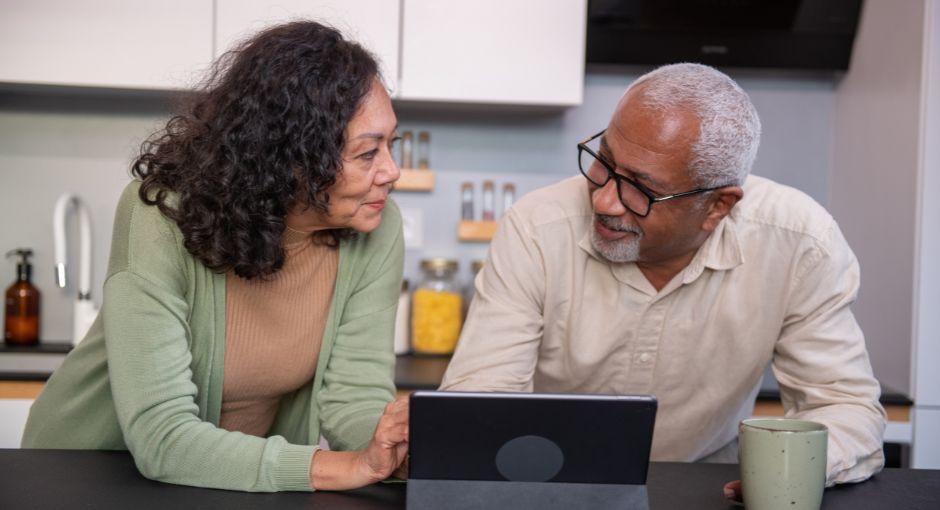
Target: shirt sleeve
{"points": [[822, 365], [154, 397], [499, 344], [359, 379]]}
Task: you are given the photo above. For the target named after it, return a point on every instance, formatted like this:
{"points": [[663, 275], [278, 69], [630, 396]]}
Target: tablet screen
{"points": [[530, 437]]}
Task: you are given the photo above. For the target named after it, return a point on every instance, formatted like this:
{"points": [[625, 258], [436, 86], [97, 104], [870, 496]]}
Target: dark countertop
{"points": [[419, 372], [44, 347], [40, 479]]}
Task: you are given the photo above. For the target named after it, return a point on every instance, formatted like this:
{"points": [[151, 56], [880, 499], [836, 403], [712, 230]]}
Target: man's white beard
{"points": [[626, 249]]}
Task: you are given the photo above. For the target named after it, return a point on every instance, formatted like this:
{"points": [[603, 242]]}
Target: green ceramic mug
{"points": [[783, 463]]}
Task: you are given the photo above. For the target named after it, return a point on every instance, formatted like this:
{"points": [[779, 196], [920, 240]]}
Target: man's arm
{"points": [[822, 365], [498, 348]]}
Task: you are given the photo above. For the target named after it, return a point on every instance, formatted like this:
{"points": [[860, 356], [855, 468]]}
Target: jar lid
{"points": [[476, 266], [439, 264]]}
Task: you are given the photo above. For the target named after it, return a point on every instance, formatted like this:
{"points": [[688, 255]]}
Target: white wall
{"points": [[14, 412], [796, 111], [84, 142], [51, 144], [873, 190], [926, 355]]}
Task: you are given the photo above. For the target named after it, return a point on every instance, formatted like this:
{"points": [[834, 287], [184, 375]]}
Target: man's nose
{"points": [[606, 200]]}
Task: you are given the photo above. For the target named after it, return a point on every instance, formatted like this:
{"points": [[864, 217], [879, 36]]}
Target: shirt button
{"points": [[645, 357]]}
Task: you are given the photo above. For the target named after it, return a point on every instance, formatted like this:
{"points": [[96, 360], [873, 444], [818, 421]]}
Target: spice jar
{"points": [[407, 141], [424, 149], [466, 201], [509, 196], [436, 307], [489, 213]]}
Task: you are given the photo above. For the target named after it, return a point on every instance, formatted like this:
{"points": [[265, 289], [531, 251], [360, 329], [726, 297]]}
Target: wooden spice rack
{"points": [[415, 180], [476, 231]]}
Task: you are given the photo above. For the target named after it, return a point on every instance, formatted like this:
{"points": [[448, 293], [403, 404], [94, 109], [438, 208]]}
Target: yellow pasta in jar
{"points": [[435, 321]]}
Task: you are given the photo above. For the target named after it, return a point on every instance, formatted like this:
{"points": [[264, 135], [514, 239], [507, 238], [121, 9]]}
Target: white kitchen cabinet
{"points": [[14, 413], [372, 23], [520, 52], [106, 43]]}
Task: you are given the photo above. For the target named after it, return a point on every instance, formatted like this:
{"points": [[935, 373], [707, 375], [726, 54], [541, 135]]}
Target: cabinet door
{"points": [[494, 51], [106, 43], [372, 23], [14, 412]]}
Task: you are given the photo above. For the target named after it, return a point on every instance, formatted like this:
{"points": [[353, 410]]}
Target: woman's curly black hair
{"points": [[264, 133]]}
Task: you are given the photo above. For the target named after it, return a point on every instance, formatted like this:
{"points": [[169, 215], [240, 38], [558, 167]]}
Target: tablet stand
{"points": [[477, 494]]}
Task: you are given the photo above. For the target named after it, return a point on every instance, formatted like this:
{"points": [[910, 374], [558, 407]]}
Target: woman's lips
{"points": [[378, 205]]}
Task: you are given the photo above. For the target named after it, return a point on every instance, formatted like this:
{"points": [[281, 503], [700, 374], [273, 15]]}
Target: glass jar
{"points": [[436, 307], [402, 342], [466, 201], [424, 149], [407, 140], [489, 210]]}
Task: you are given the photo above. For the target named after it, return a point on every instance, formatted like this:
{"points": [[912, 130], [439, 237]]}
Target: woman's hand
{"points": [[381, 457], [389, 446]]}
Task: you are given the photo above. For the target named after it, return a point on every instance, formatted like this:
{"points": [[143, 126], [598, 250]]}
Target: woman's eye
{"points": [[369, 155], [393, 143]]}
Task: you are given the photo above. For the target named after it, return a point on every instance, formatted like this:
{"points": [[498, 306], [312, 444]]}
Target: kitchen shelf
{"points": [[415, 180], [32, 362], [476, 231]]}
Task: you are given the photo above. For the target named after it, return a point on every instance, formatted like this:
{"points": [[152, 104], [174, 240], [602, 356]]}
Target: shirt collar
{"points": [[720, 252]]}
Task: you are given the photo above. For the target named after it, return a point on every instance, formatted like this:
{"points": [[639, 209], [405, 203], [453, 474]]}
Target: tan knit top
{"points": [[273, 331]]}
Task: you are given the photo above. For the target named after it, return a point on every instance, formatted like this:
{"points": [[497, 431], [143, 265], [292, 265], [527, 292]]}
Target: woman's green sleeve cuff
{"points": [[292, 470]]}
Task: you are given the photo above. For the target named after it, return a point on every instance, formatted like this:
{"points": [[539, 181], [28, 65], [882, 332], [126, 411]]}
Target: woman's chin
{"points": [[366, 225]]}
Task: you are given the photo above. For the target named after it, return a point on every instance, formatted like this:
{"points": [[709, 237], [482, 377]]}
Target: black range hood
{"points": [[784, 34]]}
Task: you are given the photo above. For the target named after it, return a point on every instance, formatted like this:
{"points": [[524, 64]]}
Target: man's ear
{"points": [[720, 205]]}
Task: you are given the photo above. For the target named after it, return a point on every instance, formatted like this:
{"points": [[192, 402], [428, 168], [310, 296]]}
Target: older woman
{"points": [[251, 291]]}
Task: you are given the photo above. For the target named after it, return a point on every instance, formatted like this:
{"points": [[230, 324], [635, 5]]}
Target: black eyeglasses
{"points": [[633, 195]]}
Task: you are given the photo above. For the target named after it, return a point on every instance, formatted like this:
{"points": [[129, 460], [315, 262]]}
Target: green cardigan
{"points": [[148, 375]]}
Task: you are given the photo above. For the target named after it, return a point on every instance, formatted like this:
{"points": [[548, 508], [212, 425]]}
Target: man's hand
{"points": [[733, 491]]}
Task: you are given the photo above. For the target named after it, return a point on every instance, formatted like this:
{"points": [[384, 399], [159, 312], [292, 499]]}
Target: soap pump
{"points": [[21, 320]]}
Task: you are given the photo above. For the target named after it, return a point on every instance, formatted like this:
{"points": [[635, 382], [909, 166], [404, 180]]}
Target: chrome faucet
{"points": [[84, 311]]}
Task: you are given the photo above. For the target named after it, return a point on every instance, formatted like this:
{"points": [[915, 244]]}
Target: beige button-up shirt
{"points": [[773, 283]]}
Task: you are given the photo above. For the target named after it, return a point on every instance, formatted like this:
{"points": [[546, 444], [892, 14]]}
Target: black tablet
{"points": [[526, 437]]}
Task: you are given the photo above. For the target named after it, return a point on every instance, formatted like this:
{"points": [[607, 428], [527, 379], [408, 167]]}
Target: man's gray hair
{"points": [[729, 130]]}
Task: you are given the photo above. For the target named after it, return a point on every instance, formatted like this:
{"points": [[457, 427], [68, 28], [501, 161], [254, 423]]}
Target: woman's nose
{"points": [[388, 171]]}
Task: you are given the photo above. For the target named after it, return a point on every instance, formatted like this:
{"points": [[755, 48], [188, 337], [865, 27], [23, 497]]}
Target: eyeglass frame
{"points": [[612, 174]]}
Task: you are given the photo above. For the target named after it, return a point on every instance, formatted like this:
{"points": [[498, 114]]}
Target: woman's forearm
{"points": [[334, 471]]}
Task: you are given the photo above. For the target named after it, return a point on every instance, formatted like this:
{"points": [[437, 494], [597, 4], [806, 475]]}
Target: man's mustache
{"points": [[613, 224]]}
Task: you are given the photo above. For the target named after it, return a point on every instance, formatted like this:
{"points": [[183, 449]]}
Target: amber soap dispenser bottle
{"points": [[21, 320]]}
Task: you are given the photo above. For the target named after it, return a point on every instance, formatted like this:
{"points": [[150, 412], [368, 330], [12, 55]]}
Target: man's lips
{"points": [[610, 234]]}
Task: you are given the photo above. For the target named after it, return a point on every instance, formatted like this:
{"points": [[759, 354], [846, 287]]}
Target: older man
{"points": [[665, 269]]}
